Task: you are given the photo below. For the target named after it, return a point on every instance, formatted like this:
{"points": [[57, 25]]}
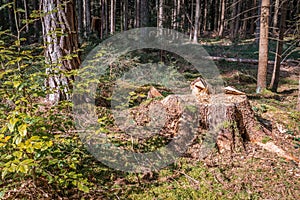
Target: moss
{"points": [[266, 139]]}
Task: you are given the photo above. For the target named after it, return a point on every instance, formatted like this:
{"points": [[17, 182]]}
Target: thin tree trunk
{"points": [[196, 26], [275, 19], [221, 30], [237, 19], [160, 17], [298, 104], [37, 23], [233, 19], [102, 19], [257, 31], [106, 18], [79, 5], [192, 17], [112, 16], [276, 71], [263, 46], [26, 15], [205, 16], [144, 15], [245, 21], [178, 12], [252, 19], [12, 25], [125, 9], [137, 14], [87, 17], [59, 46], [174, 15]]}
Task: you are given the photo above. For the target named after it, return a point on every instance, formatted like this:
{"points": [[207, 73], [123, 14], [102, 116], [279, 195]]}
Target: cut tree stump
{"points": [[225, 121]]}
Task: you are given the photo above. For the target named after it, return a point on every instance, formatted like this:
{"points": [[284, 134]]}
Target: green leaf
{"points": [[4, 172], [23, 130], [27, 161], [12, 123], [23, 168], [83, 188], [18, 154]]}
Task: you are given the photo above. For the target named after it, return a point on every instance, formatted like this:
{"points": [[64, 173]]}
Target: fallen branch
{"points": [[249, 61]]}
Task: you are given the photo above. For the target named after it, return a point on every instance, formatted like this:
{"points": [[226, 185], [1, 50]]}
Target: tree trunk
{"points": [[37, 24], [279, 47], [26, 15], [137, 14], [160, 17], [125, 10], [257, 31], [252, 20], [87, 17], [196, 26], [263, 46], [112, 16], [58, 46], [298, 103], [275, 19], [106, 17], [79, 5], [205, 16], [178, 7], [237, 19], [144, 13], [11, 19], [221, 29], [233, 19], [102, 19], [227, 121]]}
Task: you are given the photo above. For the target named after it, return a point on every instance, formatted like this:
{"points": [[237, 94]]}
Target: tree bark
{"points": [[263, 46], [205, 15], [87, 17], [279, 47], [144, 13], [275, 19], [11, 19], [137, 14], [298, 103], [58, 46], [79, 5], [112, 16], [233, 19], [160, 17], [125, 10], [196, 26], [252, 20], [257, 30], [221, 29]]}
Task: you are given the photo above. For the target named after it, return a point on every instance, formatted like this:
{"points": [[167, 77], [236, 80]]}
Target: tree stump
{"points": [[224, 121]]}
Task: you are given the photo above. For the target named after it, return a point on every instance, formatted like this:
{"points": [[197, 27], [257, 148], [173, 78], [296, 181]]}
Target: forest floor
{"points": [[251, 174]]}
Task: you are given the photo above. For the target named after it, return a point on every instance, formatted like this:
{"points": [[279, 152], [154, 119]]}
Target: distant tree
{"points": [[221, 29], [160, 14], [263, 46], [61, 45], [298, 104], [279, 47], [144, 13], [112, 16], [196, 25], [87, 17]]}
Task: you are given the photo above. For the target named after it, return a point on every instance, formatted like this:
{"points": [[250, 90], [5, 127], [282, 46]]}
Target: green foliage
{"points": [[34, 142]]}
